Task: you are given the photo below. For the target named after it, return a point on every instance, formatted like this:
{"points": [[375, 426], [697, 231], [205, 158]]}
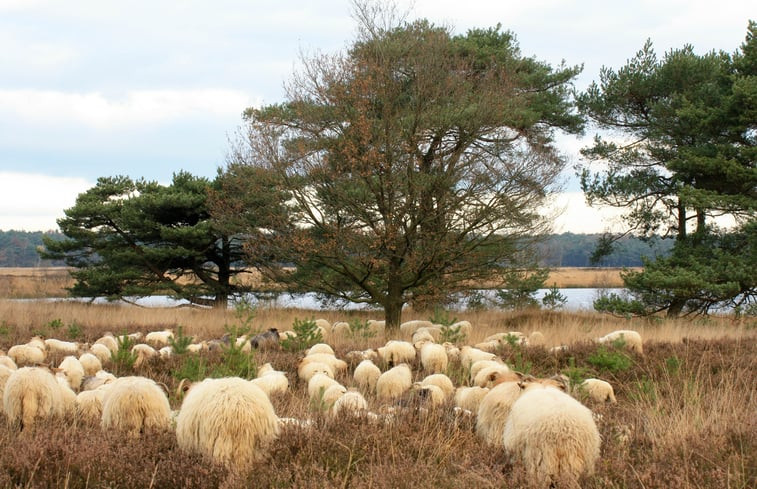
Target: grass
{"points": [[684, 417]]}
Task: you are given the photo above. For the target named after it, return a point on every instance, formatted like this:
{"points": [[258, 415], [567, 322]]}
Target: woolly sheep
{"points": [[396, 352], [266, 339], [434, 358], [453, 352], [24, 355], [159, 338], [134, 405], [488, 346], [5, 372], [553, 435], [94, 382], [422, 336], [102, 353], [469, 398], [494, 409], [463, 327], [265, 368], [366, 375], [351, 402], [490, 376], [434, 332], [197, 347], [331, 395], [536, 338], [409, 327], [357, 356], [631, 339], [341, 329], [336, 364], [394, 382], [479, 365], [598, 390], [469, 354], [67, 394], [73, 371], [32, 393], [376, 327], [90, 363], [318, 384], [144, 353], [441, 381], [229, 420], [432, 395], [109, 341], [89, 404], [272, 383], [306, 371], [283, 335], [319, 348], [8, 362], [38, 342], [165, 352], [61, 347]]}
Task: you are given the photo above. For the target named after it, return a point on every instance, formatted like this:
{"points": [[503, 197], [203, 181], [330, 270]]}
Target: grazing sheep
{"points": [[89, 404], [341, 329], [631, 339], [394, 382], [453, 352], [109, 341], [463, 327], [5, 372], [159, 339], [536, 338], [319, 348], [351, 402], [597, 390], [67, 394], [469, 355], [553, 435], [469, 398], [268, 339], [432, 396], [409, 327], [7, 361], [434, 358], [488, 346], [73, 371], [283, 335], [376, 327], [272, 383], [336, 364], [479, 365], [25, 355], [134, 405], [58, 347], [102, 352], [318, 384], [324, 327], [38, 342], [144, 353], [441, 381], [32, 393], [100, 378], [306, 371], [422, 336], [229, 420], [197, 347], [265, 368], [366, 375], [358, 356], [396, 352], [493, 375], [494, 409], [165, 352], [330, 396], [90, 363]]}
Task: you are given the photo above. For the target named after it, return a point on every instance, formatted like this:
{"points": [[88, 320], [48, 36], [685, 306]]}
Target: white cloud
{"points": [[31, 202], [136, 108], [570, 213]]}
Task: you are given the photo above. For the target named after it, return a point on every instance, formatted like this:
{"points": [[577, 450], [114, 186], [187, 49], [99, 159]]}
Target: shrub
{"points": [[308, 335], [180, 342], [123, 358], [610, 361]]}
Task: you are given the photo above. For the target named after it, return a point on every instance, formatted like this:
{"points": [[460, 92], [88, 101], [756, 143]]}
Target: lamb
{"points": [[396, 352], [32, 393], [553, 435], [441, 381], [272, 383], [61, 347], [631, 339], [23, 355], [434, 358], [102, 353], [394, 382], [351, 402], [159, 339], [72, 370], [597, 390], [469, 398], [366, 375], [134, 405], [306, 371], [229, 420]]}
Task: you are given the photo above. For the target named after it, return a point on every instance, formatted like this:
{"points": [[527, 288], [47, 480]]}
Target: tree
{"points": [[416, 162], [138, 238], [689, 126]]}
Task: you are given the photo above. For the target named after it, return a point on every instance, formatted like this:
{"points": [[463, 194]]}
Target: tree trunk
{"points": [[675, 307], [393, 306]]}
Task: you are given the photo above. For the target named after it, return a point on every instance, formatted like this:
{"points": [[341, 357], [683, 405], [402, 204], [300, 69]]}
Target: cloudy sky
{"points": [[93, 88]]}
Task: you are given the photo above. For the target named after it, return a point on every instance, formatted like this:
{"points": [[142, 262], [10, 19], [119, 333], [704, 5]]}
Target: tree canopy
{"points": [[680, 154], [414, 163]]}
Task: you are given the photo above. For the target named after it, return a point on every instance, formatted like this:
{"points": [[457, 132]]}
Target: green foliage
{"points": [[612, 361], [5, 328], [521, 287], [672, 365], [361, 329], [308, 335], [123, 359], [442, 316], [180, 342], [575, 374], [643, 390], [55, 324], [235, 361], [74, 331], [620, 306], [554, 299], [193, 367], [450, 332]]}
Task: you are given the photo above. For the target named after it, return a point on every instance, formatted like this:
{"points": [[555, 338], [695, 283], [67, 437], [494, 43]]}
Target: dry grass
{"points": [[684, 417]]}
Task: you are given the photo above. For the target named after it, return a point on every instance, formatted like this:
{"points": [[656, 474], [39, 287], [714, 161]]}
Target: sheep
{"points": [[332, 394], [228, 420], [366, 375], [341, 329], [376, 327], [32, 393], [489, 376], [159, 339], [434, 358], [68, 396], [462, 327], [318, 384], [469, 354], [8, 362], [285, 335], [536, 338], [469, 398], [351, 402], [306, 371], [24, 355], [319, 348], [630, 339], [336, 364], [267, 339], [597, 390], [89, 404], [90, 363], [453, 352], [479, 365], [396, 352], [197, 347], [357, 356], [143, 352], [100, 378], [134, 405], [38, 342], [265, 368], [409, 327], [553, 435], [109, 341], [494, 409], [324, 327], [431, 395], [61, 347], [272, 383], [488, 346], [422, 336], [72, 370], [441, 381], [394, 382], [5, 372], [165, 352], [102, 352]]}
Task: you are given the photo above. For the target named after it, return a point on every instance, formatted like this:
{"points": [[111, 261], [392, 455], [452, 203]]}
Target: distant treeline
{"points": [[19, 249]]}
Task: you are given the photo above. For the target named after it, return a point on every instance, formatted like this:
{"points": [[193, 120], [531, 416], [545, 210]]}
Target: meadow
{"points": [[685, 415]]}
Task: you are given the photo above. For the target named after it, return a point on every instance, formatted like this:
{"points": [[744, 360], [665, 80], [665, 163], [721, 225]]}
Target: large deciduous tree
{"points": [[138, 238], [415, 162], [681, 154]]}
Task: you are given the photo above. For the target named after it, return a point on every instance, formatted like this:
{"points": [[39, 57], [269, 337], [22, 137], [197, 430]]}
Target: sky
{"points": [[92, 88]]}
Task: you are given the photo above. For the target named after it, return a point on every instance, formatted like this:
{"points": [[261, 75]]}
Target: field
{"points": [[684, 416]]}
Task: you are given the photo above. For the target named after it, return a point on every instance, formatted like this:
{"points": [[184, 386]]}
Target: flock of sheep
{"points": [[232, 420]]}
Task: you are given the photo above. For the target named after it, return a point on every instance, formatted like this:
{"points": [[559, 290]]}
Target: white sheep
{"points": [[421, 337], [494, 409], [38, 342], [197, 347], [306, 371], [332, 394], [165, 352], [102, 353], [409, 327], [336, 364], [479, 365], [109, 341], [100, 378], [341, 329], [366, 375], [434, 358], [8, 362], [453, 352], [396, 352], [25, 355], [144, 353], [376, 327], [159, 339], [32, 393], [630, 339], [272, 383], [357, 356], [441, 381], [318, 384], [394, 382], [536, 338], [90, 363], [463, 327], [73, 371], [490, 376], [61, 347], [432, 395], [351, 402], [134, 405], [553, 435], [319, 348], [5, 372], [89, 404], [229, 420], [469, 354], [490, 346], [597, 390], [469, 398]]}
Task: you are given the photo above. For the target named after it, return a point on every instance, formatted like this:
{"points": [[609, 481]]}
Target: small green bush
{"points": [[123, 358], [360, 329], [308, 335], [609, 360], [180, 342]]}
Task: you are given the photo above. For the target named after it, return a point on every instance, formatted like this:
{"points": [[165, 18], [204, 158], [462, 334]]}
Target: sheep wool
{"points": [[396, 352], [108, 341], [341, 329], [5, 372], [553, 435], [469, 355], [135, 405], [272, 383], [144, 353], [493, 411], [335, 363], [491, 376], [366, 375], [479, 365], [229, 420], [318, 384], [159, 339], [320, 348], [351, 403], [90, 363], [469, 398], [441, 381], [409, 327], [630, 338], [31, 393], [598, 390], [26, 355], [89, 404], [434, 358], [61, 347], [73, 371], [394, 382], [306, 371], [102, 353], [8, 362]]}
